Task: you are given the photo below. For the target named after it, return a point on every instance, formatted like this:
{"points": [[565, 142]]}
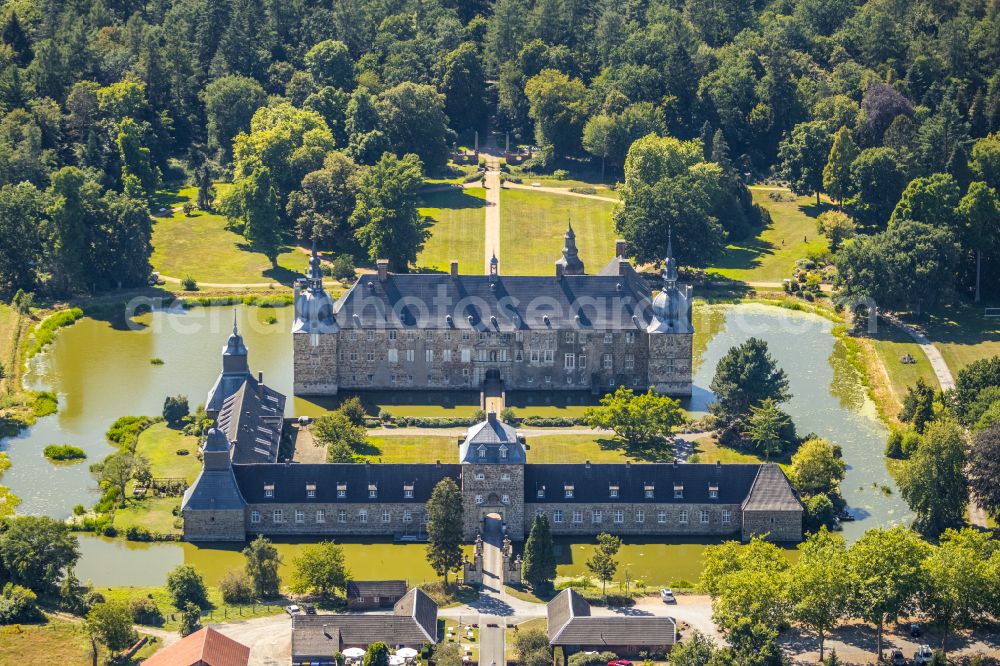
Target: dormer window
{"points": [[503, 451], [268, 490], [649, 490], [341, 490], [482, 451], [311, 489], [568, 490], [613, 490], [408, 490], [372, 490], [678, 491], [713, 490], [540, 492]]}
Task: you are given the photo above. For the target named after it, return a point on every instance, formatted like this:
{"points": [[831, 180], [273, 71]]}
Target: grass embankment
{"points": [[771, 255], [456, 231], [532, 225], [963, 333], [56, 641], [201, 246]]}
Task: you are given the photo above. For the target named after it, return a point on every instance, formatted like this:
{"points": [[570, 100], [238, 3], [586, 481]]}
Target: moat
{"points": [[96, 388]]}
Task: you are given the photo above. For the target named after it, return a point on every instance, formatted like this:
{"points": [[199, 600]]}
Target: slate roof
{"points": [[771, 491], [214, 489], [412, 622], [503, 303], [290, 480], [570, 623], [251, 419], [205, 647], [375, 588], [492, 437], [592, 482]]}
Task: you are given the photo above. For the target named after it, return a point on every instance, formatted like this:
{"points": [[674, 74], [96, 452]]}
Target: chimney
{"points": [[587, 464], [383, 269], [628, 464], [454, 268], [491, 417], [621, 248], [675, 463], [718, 465], [326, 630], [260, 385], [559, 269]]}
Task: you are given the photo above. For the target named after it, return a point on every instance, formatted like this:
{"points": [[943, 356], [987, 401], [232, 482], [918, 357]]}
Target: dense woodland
{"points": [[313, 108]]}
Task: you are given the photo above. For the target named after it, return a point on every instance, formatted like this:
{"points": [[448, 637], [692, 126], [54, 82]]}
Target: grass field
{"points": [[55, 642], [963, 333], [202, 247], [708, 450], [532, 225], [412, 449], [891, 344], [770, 257], [578, 448], [218, 611], [457, 232]]}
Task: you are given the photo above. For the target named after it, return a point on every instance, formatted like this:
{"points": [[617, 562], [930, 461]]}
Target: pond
{"points": [[101, 370]]}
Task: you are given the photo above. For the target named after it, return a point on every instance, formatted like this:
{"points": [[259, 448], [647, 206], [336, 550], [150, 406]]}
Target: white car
{"points": [[292, 610], [923, 655], [667, 596]]}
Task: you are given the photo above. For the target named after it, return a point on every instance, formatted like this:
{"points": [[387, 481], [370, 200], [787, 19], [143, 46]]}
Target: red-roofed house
{"points": [[205, 647]]}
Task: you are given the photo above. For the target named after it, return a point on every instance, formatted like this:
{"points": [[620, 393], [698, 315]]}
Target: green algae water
{"points": [[101, 370]]}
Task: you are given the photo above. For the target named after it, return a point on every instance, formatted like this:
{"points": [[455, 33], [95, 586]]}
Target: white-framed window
{"points": [[393, 355], [682, 517], [550, 356], [479, 499], [320, 516], [678, 491], [392, 335], [341, 490], [649, 490], [569, 337], [483, 336], [447, 336], [609, 338], [314, 339], [408, 492], [370, 336], [613, 490], [268, 490], [713, 492], [704, 517], [535, 356], [577, 516], [371, 356], [505, 499], [311, 489], [255, 517], [661, 517], [557, 516], [503, 451], [465, 372], [582, 363], [629, 361], [277, 516], [505, 476], [386, 516], [482, 451], [619, 516], [300, 516], [466, 356], [518, 355], [568, 490], [480, 476], [372, 491], [429, 355], [410, 355], [596, 516], [446, 355], [727, 516], [629, 337], [363, 516], [407, 516], [354, 356], [341, 516], [640, 516], [411, 335], [569, 361]]}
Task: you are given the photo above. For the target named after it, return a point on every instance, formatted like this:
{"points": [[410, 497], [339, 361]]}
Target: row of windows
{"points": [[310, 489], [278, 516], [618, 516], [648, 490], [569, 337]]}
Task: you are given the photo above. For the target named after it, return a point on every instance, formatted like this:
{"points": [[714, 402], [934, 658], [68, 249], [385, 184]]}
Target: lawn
{"points": [[218, 611], [770, 257], [891, 344], [457, 231], [402, 403], [412, 449], [532, 226], [202, 247], [160, 444], [963, 333], [453, 174], [595, 448], [707, 450], [54, 642]]}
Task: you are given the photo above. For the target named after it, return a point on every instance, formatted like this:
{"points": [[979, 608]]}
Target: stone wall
{"points": [[650, 525], [670, 368], [776, 525], [200, 525], [314, 362], [496, 482], [353, 523]]}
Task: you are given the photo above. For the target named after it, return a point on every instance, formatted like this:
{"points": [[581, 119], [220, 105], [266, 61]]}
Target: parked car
{"points": [[923, 655], [292, 610], [309, 609], [896, 658], [667, 596], [915, 630], [619, 662]]}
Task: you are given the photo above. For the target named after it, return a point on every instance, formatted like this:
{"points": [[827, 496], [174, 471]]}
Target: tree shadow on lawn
{"points": [[744, 255], [451, 199], [651, 452], [960, 323], [167, 198]]}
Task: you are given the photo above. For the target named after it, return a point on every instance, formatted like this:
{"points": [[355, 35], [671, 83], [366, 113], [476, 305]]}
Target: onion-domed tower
{"points": [[670, 332], [314, 335]]}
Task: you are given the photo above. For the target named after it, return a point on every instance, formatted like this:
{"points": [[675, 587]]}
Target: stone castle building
{"points": [[568, 331]]}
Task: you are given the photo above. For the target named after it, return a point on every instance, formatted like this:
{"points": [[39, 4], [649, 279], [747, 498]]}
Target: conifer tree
{"points": [[837, 173], [444, 528], [539, 567]]}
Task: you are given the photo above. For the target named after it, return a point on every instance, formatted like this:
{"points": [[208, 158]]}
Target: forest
{"points": [[318, 119]]}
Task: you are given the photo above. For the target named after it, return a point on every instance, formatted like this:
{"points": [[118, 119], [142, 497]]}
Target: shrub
{"points": [[591, 658], [384, 415], [894, 445], [175, 409], [583, 190], [270, 319], [145, 611], [62, 452], [507, 415], [18, 604], [478, 415], [156, 361], [342, 268], [188, 283], [126, 429], [136, 533], [236, 588], [79, 510], [560, 174], [188, 208], [911, 440]]}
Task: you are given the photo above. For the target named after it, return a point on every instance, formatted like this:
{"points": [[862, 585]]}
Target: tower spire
{"points": [[236, 329], [670, 265], [570, 261], [315, 270]]}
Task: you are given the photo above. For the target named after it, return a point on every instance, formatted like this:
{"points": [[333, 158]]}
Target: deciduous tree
{"points": [[819, 584], [385, 218], [186, 586], [933, 482], [320, 569], [604, 563], [816, 468], [110, 623], [638, 420], [262, 564]]}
